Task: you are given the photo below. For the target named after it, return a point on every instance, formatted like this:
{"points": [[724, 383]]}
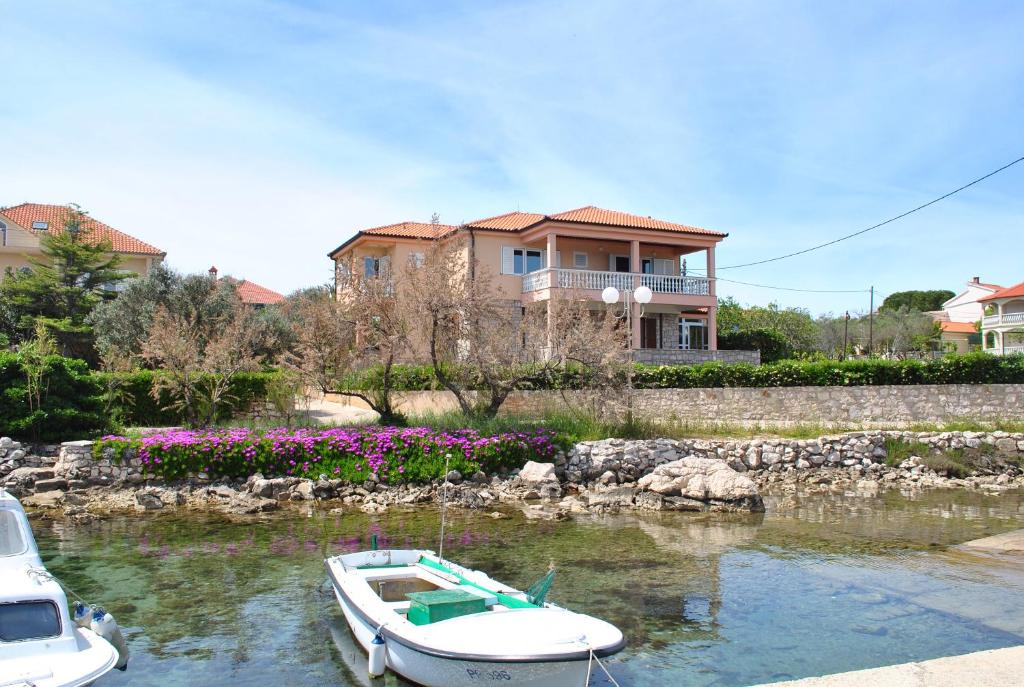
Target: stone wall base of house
{"points": [[676, 356]]}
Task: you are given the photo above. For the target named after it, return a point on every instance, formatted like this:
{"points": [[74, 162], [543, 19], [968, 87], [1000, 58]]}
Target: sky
{"points": [[258, 136]]}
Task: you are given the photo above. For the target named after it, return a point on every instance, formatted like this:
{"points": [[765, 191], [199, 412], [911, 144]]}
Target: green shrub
{"points": [[770, 342], [135, 406], [897, 451], [71, 403]]}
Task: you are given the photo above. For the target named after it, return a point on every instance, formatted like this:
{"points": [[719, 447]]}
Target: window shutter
{"points": [[385, 265], [368, 270], [508, 263], [544, 259], [558, 258], [611, 262]]}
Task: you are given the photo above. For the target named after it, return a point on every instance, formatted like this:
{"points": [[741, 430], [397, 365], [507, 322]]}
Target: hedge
{"points": [[973, 368], [71, 401], [131, 396], [77, 402], [389, 454]]}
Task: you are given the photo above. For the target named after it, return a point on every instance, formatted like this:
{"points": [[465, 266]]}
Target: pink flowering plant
{"points": [[393, 454]]}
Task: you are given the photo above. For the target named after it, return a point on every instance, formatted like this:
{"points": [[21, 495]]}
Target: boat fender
{"points": [[377, 654], [83, 615], [104, 625]]}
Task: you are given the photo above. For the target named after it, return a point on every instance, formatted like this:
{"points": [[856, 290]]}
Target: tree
{"points": [[482, 346], [794, 325], [200, 356], [900, 331], [75, 273], [921, 301], [123, 325]]}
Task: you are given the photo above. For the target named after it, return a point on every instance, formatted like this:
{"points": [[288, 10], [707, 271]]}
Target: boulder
{"points": [[536, 473], [706, 480]]}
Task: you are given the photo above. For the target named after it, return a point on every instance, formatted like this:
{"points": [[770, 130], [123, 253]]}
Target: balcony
{"points": [[1006, 318], [593, 280]]}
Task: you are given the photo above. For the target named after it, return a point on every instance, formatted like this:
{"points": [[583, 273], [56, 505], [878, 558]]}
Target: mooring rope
{"points": [[590, 663], [43, 572]]}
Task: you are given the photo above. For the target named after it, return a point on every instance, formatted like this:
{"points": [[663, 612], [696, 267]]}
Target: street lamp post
{"points": [[642, 295]]}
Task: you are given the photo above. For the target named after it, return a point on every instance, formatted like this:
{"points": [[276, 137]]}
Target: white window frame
{"points": [[576, 255], [684, 328], [40, 225], [508, 256], [417, 258]]}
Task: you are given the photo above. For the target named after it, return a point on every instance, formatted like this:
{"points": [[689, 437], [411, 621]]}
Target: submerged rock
{"points": [[706, 480]]}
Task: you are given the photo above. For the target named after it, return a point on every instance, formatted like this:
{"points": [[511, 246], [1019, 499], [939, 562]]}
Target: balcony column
{"points": [[713, 328], [552, 263], [634, 267], [711, 270]]}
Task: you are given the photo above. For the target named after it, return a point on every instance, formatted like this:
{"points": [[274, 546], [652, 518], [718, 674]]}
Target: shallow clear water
{"points": [[817, 585]]}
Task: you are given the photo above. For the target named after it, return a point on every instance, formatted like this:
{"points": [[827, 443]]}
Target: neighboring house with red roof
{"points": [[1002, 327], [960, 315], [22, 227], [252, 293], [533, 255]]}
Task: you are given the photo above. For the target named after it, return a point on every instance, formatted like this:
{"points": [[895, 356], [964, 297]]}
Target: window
{"points": [[417, 259], [12, 541], [3, 233], [374, 266], [41, 225], [28, 620], [693, 334], [521, 260], [579, 260]]}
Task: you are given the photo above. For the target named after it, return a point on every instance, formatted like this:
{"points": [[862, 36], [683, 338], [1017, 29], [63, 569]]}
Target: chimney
{"points": [[976, 280], [213, 273]]}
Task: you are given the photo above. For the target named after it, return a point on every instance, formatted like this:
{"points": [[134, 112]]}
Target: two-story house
{"points": [[534, 256], [960, 315], [1002, 327], [22, 227]]}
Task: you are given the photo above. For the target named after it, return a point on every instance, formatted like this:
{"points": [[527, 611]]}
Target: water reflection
{"points": [[818, 584]]}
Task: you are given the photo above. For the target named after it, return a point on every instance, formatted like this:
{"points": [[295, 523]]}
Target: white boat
{"points": [[40, 644], [441, 625]]}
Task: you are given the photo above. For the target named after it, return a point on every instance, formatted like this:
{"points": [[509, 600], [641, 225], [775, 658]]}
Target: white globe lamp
{"points": [[642, 295], [610, 295]]}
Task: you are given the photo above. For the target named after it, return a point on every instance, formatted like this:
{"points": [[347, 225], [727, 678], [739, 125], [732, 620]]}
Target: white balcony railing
{"points": [[1007, 318], [1010, 350], [593, 280]]}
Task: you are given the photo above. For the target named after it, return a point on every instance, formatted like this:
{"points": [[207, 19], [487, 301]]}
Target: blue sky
{"points": [[257, 136]]}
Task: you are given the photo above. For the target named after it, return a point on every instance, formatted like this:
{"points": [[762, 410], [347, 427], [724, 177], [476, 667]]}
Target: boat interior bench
{"points": [[425, 593]]}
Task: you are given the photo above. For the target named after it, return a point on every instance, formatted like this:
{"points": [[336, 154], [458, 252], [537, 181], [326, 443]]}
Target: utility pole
{"points": [[846, 333], [871, 324]]}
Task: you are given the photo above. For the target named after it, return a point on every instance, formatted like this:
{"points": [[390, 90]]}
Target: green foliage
{"points": [[62, 287], [973, 368], [921, 301], [129, 397], [897, 451], [772, 344], [794, 325], [68, 403], [950, 462]]}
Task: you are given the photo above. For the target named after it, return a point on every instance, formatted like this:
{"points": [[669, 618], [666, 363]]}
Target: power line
{"points": [[876, 226], [787, 288]]}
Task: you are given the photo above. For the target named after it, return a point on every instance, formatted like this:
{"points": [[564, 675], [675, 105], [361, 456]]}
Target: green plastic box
{"points": [[442, 604]]}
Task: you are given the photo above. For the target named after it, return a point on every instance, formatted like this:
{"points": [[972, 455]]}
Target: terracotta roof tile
{"points": [[992, 287], [593, 215], [54, 215], [510, 221], [412, 230], [254, 294], [1009, 292], [958, 327]]}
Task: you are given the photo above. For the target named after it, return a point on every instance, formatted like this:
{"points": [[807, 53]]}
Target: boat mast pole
{"points": [[444, 505]]}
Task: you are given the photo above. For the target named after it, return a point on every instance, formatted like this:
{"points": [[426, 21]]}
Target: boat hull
{"points": [[435, 671]]}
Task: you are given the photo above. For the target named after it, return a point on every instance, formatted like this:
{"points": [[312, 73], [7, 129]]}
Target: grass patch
{"points": [[953, 463], [897, 451]]}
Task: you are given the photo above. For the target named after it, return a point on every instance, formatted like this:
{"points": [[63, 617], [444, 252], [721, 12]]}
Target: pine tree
{"points": [[58, 291]]}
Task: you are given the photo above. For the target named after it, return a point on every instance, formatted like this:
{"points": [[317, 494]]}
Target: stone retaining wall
{"points": [[842, 407], [626, 461]]}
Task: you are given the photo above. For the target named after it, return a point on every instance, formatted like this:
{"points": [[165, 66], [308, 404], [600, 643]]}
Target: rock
{"points": [[498, 515], [479, 477], [51, 485], [682, 503], [303, 491], [148, 500], [611, 498], [47, 499], [454, 476], [533, 472], [704, 479], [248, 504], [1006, 445], [649, 500], [608, 477], [26, 477]]}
